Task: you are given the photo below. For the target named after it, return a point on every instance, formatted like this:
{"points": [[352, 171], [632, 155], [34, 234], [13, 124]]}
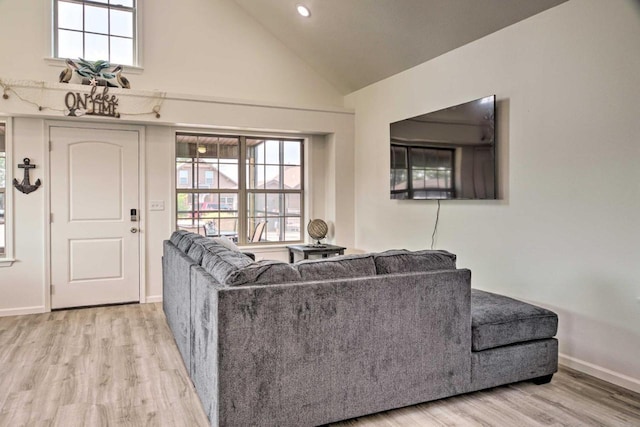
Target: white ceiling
{"points": [[354, 43]]}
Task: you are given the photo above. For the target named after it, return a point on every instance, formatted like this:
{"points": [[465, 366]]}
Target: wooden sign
{"points": [[93, 104]]}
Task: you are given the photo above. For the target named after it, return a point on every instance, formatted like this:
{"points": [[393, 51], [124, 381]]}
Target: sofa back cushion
{"points": [[339, 267], [222, 263], [187, 240], [176, 236], [198, 248], [200, 245], [264, 272], [404, 261], [234, 268]]}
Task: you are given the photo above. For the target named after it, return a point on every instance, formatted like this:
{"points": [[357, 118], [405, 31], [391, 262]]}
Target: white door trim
{"points": [[142, 197]]}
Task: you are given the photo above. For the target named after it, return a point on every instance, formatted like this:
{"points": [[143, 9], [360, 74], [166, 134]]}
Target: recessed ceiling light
{"points": [[303, 11]]}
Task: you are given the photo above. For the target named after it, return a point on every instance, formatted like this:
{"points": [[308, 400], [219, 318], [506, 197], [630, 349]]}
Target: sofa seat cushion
{"points": [[339, 267], [404, 261], [497, 321]]}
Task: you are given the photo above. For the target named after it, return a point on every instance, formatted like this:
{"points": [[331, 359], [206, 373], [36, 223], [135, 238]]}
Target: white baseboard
{"points": [[604, 374], [21, 310], [153, 298]]}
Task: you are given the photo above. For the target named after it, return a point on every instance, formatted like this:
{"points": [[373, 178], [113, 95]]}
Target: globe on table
{"points": [[317, 229]]}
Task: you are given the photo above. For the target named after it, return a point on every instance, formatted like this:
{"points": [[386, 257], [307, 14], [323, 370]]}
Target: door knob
{"points": [[134, 230]]}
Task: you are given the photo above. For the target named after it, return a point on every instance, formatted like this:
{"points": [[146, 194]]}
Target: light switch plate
{"points": [[156, 205]]}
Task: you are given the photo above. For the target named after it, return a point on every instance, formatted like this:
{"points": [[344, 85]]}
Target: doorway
{"points": [[95, 193]]}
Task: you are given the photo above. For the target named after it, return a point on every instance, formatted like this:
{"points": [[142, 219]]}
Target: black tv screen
{"points": [[446, 154]]}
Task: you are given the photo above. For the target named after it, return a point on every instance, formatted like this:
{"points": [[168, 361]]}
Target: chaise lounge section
{"points": [[274, 344]]}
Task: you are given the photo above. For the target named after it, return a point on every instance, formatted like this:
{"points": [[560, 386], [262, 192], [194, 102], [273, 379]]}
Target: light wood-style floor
{"points": [[119, 366]]}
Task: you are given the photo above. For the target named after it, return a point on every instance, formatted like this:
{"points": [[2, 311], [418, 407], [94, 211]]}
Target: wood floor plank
{"points": [[119, 366]]}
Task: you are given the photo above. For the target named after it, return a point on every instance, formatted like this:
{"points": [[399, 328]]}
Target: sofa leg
{"points": [[542, 380]]}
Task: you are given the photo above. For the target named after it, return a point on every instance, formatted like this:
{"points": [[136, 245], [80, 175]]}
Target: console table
{"points": [[306, 250]]}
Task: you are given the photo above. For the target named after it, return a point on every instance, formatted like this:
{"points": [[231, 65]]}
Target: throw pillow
{"points": [[227, 243]]}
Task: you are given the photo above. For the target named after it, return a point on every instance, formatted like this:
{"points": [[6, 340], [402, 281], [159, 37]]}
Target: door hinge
{"points": [[49, 145], [53, 289], [51, 218]]}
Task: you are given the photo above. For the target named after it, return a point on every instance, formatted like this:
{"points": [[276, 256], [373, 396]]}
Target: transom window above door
{"points": [[96, 29]]}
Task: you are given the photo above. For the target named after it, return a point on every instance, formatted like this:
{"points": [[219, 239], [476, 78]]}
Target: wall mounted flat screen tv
{"points": [[446, 154]]}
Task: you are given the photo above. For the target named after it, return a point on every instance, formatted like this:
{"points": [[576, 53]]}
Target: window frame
{"points": [[243, 191], [136, 33], [6, 259], [410, 190], [281, 191]]}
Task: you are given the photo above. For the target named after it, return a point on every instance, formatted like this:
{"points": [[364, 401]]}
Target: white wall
{"points": [[566, 233], [207, 47], [221, 70], [23, 286]]}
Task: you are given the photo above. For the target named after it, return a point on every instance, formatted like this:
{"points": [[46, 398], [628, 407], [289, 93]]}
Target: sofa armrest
{"points": [[176, 291], [250, 255]]}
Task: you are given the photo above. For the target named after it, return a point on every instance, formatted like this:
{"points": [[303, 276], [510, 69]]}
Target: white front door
{"points": [[94, 243]]}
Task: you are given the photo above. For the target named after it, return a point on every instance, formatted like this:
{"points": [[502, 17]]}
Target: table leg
{"points": [[290, 256]]}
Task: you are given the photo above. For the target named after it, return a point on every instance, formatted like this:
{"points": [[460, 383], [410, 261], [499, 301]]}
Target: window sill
{"points": [[6, 262], [127, 69]]}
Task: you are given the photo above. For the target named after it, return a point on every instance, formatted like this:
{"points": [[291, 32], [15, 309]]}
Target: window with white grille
{"points": [[96, 29]]}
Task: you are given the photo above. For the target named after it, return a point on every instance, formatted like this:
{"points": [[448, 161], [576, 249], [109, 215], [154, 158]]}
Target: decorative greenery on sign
{"points": [[94, 73], [95, 69]]}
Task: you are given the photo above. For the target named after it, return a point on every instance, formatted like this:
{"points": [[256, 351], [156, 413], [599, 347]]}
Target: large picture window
{"points": [[260, 202], [96, 29]]}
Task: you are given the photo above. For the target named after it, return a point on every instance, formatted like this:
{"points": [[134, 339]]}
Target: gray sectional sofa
{"points": [[274, 344]]}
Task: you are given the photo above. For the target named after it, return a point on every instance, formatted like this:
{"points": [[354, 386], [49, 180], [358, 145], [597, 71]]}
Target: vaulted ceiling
{"points": [[354, 43]]}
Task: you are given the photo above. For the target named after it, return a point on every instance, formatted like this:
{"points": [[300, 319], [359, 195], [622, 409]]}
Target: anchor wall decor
{"points": [[25, 186]]}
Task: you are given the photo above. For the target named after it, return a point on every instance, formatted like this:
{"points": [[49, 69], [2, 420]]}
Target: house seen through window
{"points": [[96, 29], [260, 202]]}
